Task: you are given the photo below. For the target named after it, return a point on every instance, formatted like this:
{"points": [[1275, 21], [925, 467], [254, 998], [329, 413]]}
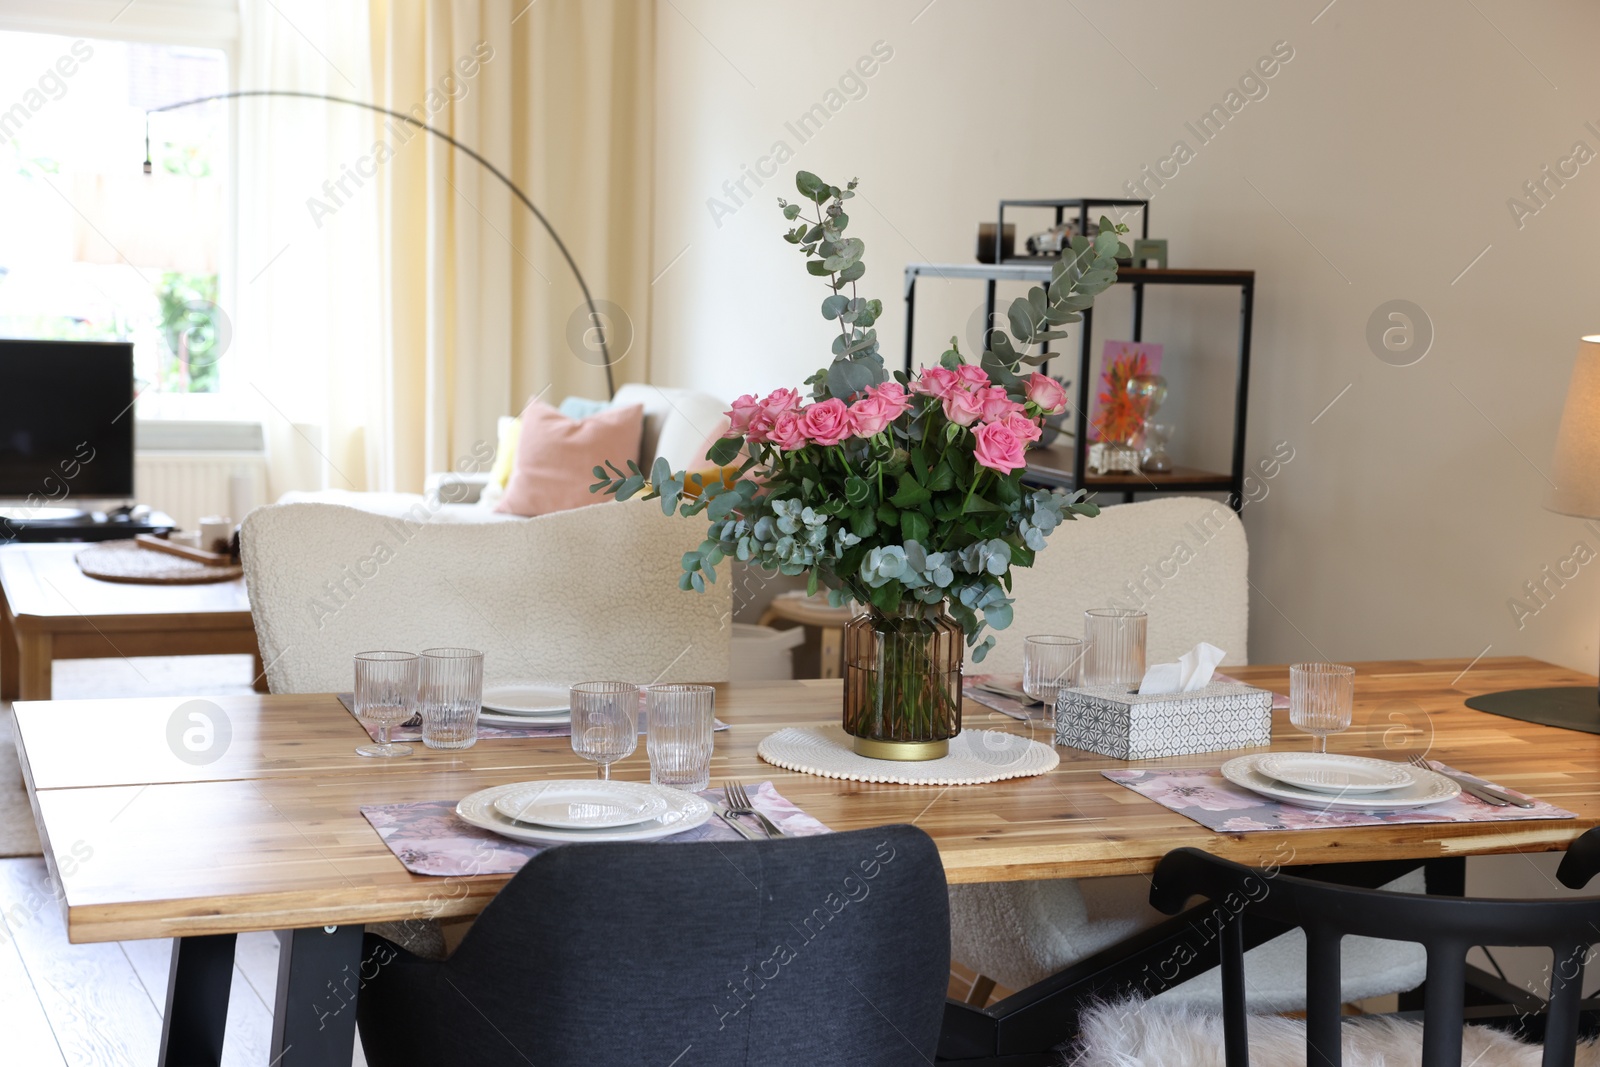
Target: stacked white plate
{"points": [[526, 704], [1331, 782], [563, 811]]}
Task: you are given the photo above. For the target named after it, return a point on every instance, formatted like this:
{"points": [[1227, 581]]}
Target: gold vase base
{"points": [[904, 751]]}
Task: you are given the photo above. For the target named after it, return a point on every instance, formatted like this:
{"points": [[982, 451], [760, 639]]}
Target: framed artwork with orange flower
{"points": [[1114, 416]]}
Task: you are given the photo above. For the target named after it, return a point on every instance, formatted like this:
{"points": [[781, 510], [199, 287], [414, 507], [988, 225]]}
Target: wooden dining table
{"points": [[200, 818]]}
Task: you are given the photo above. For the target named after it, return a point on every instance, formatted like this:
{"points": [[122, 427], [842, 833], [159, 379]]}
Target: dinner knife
{"points": [[743, 830], [1487, 794]]}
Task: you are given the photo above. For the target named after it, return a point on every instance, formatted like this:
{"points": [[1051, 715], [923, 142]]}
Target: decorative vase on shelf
{"points": [[902, 682]]}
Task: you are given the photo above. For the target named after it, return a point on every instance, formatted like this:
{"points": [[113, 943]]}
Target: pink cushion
{"points": [[556, 457]]}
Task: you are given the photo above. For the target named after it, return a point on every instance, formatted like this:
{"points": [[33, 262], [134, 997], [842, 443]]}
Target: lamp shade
{"points": [[1577, 459]]}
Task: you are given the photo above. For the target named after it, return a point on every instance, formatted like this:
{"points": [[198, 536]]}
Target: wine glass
{"points": [[605, 722], [386, 695], [1049, 665], [1321, 699]]}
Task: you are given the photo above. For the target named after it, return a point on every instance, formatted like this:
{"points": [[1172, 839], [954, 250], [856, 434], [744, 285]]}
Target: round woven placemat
{"points": [[125, 561], [976, 757]]}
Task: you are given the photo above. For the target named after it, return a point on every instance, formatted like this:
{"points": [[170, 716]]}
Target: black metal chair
{"points": [[829, 949], [1447, 927]]}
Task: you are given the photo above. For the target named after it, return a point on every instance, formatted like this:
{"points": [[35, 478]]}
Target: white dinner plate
{"points": [[1426, 788], [527, 698], [684, 811], [1333, 773], [498, 718], [585, 804]]}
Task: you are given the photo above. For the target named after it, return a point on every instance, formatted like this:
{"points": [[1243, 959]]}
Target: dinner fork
{"points": [[738, 802], [1492, 797]]}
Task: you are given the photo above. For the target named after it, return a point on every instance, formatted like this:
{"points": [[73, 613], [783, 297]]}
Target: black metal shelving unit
{"points": [[1065, 465]]}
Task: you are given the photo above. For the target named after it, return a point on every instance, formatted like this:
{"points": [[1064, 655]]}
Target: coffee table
{"points": [[51, 610]]}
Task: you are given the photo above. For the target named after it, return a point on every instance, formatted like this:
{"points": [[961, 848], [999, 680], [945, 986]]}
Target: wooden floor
{"points": [[64, 1005]]}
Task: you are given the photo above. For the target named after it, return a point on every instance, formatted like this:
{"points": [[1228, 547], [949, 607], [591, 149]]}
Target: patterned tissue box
{"points": [[1114, 722]]}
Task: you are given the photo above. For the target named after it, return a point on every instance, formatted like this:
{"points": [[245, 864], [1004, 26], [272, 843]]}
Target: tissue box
{"points": [[1114, 722]]}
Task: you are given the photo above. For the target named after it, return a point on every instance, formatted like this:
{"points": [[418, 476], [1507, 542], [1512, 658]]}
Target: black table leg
{"points": [[197, 1001], [314, 1016]]}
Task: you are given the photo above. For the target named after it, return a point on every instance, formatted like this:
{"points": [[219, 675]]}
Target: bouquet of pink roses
{"points": [[891, 491]]}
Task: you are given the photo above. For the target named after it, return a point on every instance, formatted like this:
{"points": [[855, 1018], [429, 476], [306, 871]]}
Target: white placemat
{"points": [[976, 757]]}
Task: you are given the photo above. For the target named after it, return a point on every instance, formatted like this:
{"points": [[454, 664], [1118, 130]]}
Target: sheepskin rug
{"points": [[1136, 1033]]}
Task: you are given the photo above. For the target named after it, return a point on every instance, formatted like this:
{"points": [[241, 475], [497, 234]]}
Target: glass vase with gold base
{"points": [[902, 682]]}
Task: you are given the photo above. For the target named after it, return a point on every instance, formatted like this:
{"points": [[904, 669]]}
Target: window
{"points": [[91, 247]]}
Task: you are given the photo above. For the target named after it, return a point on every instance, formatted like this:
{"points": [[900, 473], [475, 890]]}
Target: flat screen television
{"points": [[66, 421]]}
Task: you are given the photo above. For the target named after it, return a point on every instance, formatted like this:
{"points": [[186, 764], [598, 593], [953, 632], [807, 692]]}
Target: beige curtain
{"points": [[306, 302], [480, 310]]}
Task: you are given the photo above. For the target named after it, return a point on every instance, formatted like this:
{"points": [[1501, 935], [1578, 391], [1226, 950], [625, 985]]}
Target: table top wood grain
{"points": [[46, 590], [269, 834]]}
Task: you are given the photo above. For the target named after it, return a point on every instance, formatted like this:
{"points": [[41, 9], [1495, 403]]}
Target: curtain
{"points": [[414, 300], [481, 311], [307, 308]]}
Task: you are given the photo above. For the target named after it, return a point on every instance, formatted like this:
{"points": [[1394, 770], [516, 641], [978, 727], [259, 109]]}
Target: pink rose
{"points": [[1023, 428], [744, 410], [1046, 394], [893, 393], [936, 381], [882, 405], [777, 403], [963, 408], [972, 377], [998, 448], [787, 432], [827, 423], [996, 404], [871, 415]]}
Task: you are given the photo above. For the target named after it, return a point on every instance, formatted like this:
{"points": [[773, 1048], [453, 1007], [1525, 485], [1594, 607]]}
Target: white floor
{"points": [[65, 1005]]}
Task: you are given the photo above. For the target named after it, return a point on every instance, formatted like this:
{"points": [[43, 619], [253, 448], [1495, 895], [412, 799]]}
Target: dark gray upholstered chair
{"points": [[822, 950]]}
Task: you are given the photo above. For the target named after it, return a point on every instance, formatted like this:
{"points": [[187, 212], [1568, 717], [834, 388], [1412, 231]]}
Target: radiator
{"points": [[188, 485]]}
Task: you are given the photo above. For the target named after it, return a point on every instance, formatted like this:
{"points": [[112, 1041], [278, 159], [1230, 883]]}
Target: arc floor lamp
{"points": [[594, 314]]}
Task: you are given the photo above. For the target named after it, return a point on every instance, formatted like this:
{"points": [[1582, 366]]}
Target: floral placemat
{"points": [[486, 731], [428, 837], [1202, 794]]}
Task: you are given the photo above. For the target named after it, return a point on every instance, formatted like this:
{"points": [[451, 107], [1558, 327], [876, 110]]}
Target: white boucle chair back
{"points": [[1181, 559], [579, 595]]}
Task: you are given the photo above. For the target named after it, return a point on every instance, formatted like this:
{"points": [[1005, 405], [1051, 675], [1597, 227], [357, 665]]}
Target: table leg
{"points": [[35, 651], [10, 668], [197, 1001], [831, 652], [314, 1016], [260, 675]]}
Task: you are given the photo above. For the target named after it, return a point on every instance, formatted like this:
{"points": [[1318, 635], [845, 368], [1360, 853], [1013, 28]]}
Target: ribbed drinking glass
{"points": [[1050, 663], [452, 696], [605, 722], [679, 723], [1321, 699], [1114, 640], [386, 696]]}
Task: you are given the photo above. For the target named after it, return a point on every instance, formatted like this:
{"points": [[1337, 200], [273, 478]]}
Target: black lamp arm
{"points": [[594, 315]]}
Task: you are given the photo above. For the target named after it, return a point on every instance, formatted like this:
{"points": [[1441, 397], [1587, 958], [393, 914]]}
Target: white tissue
{"points": [[1192, 671]]}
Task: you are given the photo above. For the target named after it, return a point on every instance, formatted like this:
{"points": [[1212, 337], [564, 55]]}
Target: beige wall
{"points": [[1377, 166]]}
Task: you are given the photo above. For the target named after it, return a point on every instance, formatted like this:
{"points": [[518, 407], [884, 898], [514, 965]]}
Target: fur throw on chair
{"points": [[1135, 1033]]}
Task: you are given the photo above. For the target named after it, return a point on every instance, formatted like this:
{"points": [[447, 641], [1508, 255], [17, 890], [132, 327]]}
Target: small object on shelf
{"points": [[1108, 458], [198, 555], [1150, 248], [1149, 392], [1008, 242]]}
